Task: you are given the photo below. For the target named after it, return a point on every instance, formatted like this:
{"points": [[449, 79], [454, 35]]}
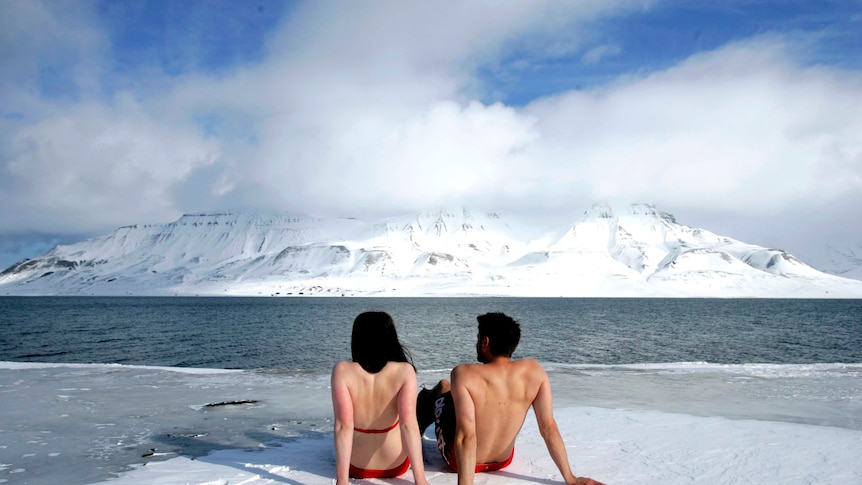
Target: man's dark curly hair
{"points": [[502, 331]]}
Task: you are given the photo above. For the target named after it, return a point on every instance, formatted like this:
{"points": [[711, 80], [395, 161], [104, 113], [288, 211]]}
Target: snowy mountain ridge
{"points": [[640, 252]]}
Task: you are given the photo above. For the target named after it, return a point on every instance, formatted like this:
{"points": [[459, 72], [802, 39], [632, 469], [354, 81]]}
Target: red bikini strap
{"points": [[378, 431]]}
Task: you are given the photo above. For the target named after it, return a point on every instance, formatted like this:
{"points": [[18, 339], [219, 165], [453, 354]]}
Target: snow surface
{"points": [[640, 252], [681, 423], [614, 446]]}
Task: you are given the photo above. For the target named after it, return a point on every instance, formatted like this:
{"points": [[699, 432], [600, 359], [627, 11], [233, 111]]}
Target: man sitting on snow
{"points": [[479, 415]]}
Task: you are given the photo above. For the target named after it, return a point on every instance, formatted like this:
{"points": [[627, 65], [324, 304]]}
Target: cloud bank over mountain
{"points": [[136, 112]]}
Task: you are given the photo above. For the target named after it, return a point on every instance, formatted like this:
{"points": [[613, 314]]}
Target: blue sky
{"points": [[742, 117]]}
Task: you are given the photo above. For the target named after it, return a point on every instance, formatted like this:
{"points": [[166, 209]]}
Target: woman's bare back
{"points": [[374, 399]]}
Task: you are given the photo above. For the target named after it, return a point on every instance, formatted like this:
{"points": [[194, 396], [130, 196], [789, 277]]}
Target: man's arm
{"points": [[465, 427], [544, 409]]}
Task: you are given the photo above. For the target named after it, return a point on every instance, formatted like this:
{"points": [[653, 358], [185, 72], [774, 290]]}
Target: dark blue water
{"points": [[313, 333]]}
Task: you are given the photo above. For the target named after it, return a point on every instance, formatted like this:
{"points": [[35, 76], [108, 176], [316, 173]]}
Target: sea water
{"points": [[311, 334], [89, 386]]}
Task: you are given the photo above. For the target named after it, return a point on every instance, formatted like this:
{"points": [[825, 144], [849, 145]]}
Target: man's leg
{"points": [[425, 404]]}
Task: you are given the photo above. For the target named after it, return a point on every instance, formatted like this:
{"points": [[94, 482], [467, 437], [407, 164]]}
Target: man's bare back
{"points": [[490, 402], [501, 392]]}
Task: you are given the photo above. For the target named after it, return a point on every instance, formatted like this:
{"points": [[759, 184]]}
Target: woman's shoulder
{"points": [[400, 368], [345, 366], [399, 365]]}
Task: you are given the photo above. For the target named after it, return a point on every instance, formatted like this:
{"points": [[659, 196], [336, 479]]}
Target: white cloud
{"points": [[446, 153], [741, 128], [373, 108], [43, 42], [596, 54], [92, 163], [368, 108]]}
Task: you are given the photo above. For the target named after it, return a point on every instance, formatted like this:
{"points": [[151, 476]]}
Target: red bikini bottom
{"points": [[356, 472]]}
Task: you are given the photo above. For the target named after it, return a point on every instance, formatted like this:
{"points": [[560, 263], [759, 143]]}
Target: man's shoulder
{"points": [[466, 372], [527, 367], [519, 365], [466, 368], [528, 362]]}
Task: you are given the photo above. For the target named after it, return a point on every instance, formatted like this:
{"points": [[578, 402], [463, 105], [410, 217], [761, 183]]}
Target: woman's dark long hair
{"points": [[375, 342]]}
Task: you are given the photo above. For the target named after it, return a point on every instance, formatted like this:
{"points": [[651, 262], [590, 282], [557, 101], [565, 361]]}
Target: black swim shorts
{"points": [[444, 422]]}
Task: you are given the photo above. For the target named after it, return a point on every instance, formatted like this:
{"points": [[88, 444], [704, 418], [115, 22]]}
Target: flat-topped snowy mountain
{"points": [[641, 252]]}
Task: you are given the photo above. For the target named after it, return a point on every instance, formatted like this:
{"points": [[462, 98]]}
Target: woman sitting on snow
{"points": [[374, 402]]}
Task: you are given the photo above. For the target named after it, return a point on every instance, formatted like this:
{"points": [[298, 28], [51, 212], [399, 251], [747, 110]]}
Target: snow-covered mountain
{"points": [[641, 252], [843, 260]]}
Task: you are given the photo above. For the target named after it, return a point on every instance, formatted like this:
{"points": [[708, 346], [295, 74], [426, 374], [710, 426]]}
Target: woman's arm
{"points": [[410, 437], [342, 406]]}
